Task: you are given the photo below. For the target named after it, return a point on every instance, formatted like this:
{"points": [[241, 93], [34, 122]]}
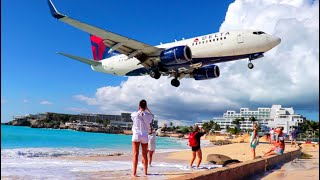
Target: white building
{"points": [[285, 117], [266, 117], [126, 125]]}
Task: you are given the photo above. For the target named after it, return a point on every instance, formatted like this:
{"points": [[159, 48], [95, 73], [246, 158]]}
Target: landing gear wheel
{"points": [[155, 74], [250, 65], [175, 82], [158, 75]]}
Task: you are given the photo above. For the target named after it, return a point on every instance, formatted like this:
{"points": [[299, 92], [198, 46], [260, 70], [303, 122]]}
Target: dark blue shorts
{"points": [[195, 148]]}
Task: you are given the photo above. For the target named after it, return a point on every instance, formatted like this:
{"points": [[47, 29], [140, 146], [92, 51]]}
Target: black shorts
{"points": [[195, 148]]}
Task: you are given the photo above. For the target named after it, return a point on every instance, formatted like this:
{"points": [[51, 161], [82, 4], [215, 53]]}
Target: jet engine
{"points": [[176, 55], [206, 72]]}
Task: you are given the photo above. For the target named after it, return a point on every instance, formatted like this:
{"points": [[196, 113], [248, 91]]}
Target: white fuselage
{"points": [[222, 44]]}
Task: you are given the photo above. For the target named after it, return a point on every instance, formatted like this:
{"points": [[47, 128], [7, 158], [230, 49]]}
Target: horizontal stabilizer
{"points": [[84, 60]]}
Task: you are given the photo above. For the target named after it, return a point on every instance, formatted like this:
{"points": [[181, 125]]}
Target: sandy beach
{"points": [[177, 160], [167, 165]]}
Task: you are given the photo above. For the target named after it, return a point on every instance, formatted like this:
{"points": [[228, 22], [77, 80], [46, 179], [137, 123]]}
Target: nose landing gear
{"points": [[250, 65]]}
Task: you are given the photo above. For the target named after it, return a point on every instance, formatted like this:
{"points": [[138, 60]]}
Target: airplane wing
{"points": [[84, 60], [132, 48]]}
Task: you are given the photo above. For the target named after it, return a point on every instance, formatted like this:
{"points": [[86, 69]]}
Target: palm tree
{"points": [[206, 126], [216, 127], [237, 123], [252, 119]]}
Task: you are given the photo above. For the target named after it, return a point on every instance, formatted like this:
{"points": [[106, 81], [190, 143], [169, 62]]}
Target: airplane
{"points": [[188, 58]]}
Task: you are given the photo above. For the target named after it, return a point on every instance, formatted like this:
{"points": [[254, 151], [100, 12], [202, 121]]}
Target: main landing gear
{"points": [[155, 74], [175, 82]]}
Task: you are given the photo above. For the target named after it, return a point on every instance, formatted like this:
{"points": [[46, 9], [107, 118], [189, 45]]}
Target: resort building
{"points": [[265, 117]]}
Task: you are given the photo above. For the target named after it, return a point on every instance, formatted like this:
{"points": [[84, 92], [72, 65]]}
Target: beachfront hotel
{"points": [[266, 117]]}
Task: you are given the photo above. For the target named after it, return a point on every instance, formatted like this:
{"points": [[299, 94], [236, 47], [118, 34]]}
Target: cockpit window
{"points": [[258, 32]]}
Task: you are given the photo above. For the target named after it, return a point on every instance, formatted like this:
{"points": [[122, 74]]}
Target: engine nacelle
{"points": [[176, 55], [206, 72]]}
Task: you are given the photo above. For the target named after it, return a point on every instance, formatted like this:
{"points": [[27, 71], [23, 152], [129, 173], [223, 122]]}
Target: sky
{"points": [[34, 79]]}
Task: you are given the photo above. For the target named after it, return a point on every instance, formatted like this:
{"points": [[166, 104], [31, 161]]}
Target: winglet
{"points": [[54, 11]]}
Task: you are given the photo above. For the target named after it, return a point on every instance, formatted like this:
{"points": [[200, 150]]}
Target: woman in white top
{"points": [[141, 125], [152, 144]]}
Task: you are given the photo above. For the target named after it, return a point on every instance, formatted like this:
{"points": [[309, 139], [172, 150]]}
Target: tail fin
{"points": [[99, 49]]}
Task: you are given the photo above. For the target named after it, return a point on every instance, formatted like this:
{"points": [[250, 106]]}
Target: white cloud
{"points": [[287, 75], [45, 102], [90, 101], [25, 101]]}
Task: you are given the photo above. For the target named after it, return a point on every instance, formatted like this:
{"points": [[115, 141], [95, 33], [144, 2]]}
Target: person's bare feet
{"points": [[134, 175]]}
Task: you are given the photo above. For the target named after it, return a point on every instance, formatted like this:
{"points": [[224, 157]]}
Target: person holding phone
{"points": [[140, 130]]}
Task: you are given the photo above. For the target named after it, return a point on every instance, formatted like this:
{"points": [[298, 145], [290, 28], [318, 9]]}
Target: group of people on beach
{"points": [[142, 133], [276, 138]]}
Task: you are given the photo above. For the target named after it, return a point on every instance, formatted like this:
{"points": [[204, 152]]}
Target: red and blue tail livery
{"points": [[99, 50]]}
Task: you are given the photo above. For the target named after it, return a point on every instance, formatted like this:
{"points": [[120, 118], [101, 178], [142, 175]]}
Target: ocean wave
{"points": [[58, 152]]}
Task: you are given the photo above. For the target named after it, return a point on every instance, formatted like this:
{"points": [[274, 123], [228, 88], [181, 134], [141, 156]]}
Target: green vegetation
{"points": [[309, 129], [185, 130], [211, 126]]}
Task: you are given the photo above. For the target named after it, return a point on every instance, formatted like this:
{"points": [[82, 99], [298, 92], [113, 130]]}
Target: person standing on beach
{"points": [[272, 136], [254, 140], [141, 125], [293, 135], [151, 144], [196, 149]]}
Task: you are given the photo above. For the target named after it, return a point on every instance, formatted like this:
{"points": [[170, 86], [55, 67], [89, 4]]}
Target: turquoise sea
{"points": [[25, 137]]}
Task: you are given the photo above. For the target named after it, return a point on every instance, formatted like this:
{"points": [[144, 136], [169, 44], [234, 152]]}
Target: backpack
{"points": [[192, 139]]}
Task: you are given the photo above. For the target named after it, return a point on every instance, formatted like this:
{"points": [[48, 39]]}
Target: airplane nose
{"points": [[274, 41], [277, 40]]}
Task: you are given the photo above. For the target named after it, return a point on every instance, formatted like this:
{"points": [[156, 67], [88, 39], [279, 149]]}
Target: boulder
{"points": [[217, 158]]}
